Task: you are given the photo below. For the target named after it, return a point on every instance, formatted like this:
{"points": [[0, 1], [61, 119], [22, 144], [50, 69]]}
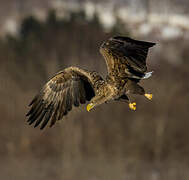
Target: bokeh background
{"points": [[40, 37]]}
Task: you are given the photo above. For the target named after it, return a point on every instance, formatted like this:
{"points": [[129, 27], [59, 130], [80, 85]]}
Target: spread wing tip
{"points": [[130, 40]]}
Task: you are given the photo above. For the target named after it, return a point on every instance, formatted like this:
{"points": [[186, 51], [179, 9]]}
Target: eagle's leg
{"points": [[124, 98], [149, 96], [133, 88], [132, 106]]}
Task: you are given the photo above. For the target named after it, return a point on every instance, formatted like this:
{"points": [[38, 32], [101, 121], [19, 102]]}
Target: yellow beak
{"points": [[90, 106]]}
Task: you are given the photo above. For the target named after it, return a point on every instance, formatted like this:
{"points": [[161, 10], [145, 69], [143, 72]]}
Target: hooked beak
{"points": [[90, 106]]}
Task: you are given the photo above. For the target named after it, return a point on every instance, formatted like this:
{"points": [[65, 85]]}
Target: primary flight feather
{"points": [[126, 62]]}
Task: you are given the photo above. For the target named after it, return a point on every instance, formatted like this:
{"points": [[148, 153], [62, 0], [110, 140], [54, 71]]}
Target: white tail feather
{"points": [[147, 75]]}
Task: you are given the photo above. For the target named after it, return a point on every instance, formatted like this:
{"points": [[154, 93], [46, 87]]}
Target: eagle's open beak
{"points": [[90, 106]]}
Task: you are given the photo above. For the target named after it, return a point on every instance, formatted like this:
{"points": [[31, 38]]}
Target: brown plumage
{"points": [[126, 63]]}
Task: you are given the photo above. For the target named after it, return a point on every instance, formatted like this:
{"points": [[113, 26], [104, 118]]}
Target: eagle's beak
{"points": [[90, 106]]}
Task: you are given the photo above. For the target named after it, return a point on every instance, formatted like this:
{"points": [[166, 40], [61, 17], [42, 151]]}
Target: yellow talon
{"points": [[90, 106], [132, 106], [149, 96]]}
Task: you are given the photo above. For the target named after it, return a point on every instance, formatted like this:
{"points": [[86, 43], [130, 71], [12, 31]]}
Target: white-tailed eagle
{"points": [[126, 63]]}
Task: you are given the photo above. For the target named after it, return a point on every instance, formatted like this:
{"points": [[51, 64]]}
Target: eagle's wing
{"points": [[72, 86], [125, 57]]}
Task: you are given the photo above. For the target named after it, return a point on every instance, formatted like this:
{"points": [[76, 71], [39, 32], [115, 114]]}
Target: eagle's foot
{"points": [[132, 106], [149, 96]]}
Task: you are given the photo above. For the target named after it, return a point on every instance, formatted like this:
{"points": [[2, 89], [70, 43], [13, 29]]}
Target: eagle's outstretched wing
{"points": [[72, 86], [125, 57]]}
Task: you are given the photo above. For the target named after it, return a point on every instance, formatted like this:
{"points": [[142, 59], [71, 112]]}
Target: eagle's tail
{"points": [[147, 75]]}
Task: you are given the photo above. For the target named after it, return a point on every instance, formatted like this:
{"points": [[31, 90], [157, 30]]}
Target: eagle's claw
{"points": [[132, 106], [149, 96]]}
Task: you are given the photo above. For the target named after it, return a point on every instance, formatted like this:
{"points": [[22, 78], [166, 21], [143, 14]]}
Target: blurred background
{"points": [[40, 37]]}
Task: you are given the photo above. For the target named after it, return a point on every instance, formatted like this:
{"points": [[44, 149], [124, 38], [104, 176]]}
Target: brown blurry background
{"points": [[111, 142]]}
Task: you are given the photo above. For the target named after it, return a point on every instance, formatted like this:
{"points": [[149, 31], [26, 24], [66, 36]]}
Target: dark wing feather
{"points": [[125, 57], [73, 86]]}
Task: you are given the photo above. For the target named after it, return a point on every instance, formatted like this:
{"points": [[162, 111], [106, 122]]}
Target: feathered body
{"points": [[126, 63]]}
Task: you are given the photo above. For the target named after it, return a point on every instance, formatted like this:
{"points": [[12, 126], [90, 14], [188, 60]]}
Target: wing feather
{"points": [[72, 86], [75, 94], [47, 116], [125, 57]]}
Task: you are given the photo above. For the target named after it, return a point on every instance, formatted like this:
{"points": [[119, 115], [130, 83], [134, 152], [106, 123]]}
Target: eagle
{"points": [[126, 64]]}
